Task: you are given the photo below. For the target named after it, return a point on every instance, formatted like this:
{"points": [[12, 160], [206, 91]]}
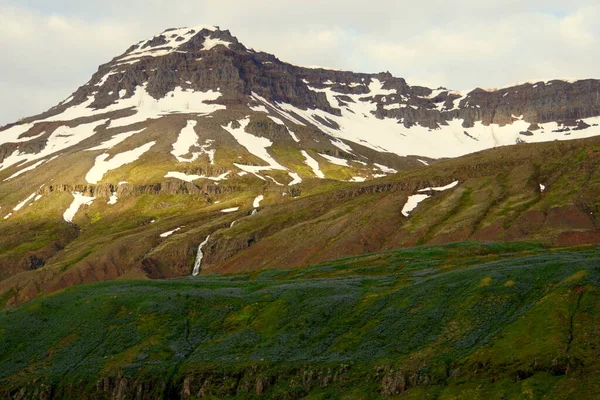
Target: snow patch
{"points": [[24, 202], [293, 135], [412, 203], [169, 233], [335, 160], [186, 139], [62, 138], [230, 210], [174, 40], [115, 140], [256, 146], [113, 198], [357, 179], [376, 88], [67, 100], [257, 201], [342, 146], [275, 181], [105, 78], [386, 169], [103, 165], [295, 178], [24, 170], [441, 188], [12, 134], [313, 164], [277, 109], [177, 101], [259, 108], [456, 102], [210, 43], [78, 200], [276, 120], [190, 178]]}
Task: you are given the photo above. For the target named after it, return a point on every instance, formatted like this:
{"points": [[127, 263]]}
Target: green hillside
{"points": [[498, 197], [458, 321]]}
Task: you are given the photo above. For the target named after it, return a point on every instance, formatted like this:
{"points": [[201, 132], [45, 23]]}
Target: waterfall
{"points": [[199, 256]]}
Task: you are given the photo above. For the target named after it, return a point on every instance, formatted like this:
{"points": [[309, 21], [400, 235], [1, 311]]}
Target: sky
{"points": [[50, 48]]}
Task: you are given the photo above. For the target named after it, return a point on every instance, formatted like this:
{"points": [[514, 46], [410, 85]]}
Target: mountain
{"points": [[198, 94], [213, 185], [190, 153]]}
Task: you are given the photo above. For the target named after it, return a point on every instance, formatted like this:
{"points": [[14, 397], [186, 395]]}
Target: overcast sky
{"points": [[49, 48]]}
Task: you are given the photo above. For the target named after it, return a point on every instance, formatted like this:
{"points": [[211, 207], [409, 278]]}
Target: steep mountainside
{"points": [[546, 192], [191, 95], [190, 153]]}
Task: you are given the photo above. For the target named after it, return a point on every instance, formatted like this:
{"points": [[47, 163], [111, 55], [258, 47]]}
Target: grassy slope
{"points": [[498, 198], [457, 321]]}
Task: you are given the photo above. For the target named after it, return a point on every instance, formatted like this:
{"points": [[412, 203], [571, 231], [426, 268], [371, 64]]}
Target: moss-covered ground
{"points": [[459, 321]]}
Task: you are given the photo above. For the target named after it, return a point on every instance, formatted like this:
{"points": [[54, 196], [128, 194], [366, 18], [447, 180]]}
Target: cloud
{"points": [[49, 49], [580, 29], [46, 57]]}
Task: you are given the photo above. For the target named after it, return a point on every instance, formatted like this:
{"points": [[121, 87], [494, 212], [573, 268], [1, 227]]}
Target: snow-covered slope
{"points": [[194, 104]]}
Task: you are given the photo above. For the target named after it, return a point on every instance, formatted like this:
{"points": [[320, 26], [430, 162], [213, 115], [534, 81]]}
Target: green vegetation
{"points": [[460, 321], [498, 197]]}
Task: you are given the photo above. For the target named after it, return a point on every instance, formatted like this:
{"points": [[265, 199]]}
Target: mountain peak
{"points": [[186, 81], [181, 40]]}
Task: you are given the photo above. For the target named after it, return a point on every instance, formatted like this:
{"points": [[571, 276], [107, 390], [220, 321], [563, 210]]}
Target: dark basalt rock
{"points": [[168, 187], [35, 262], [237, 72], [156, 41], [269, 129]]}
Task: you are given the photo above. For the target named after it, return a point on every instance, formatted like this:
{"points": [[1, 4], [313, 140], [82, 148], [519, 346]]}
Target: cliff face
{"points": [[238, 72], [212, 60], [168, 187]]}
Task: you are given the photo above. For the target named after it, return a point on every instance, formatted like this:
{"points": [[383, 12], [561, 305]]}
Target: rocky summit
{"points": [[461, 224], [199, 94]]}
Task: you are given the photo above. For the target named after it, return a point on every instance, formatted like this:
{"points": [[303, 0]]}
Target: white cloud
{"points": [[45, 58], [580, 29], [461, 44]]}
